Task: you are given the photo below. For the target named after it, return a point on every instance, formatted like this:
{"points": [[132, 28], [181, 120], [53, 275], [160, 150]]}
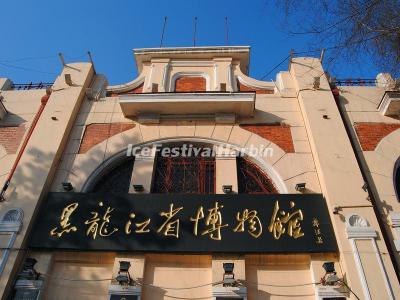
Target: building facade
{"points": [[305, 168]]}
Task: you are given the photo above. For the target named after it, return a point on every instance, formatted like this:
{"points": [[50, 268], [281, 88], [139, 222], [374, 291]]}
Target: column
{"points": [[143, 170], [225, 170]]}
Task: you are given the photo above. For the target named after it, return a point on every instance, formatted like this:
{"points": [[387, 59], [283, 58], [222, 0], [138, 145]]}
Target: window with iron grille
{"points": [[184, 175], [252, 180], [117, 179]]}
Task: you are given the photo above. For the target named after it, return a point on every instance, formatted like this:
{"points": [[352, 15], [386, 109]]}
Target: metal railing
{"points": [[31, 86], [355, 82]]}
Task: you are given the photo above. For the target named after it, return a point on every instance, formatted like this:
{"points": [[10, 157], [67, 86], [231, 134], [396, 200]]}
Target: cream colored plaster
{"points": [[268, 277], [373, 117], [225, 177], [222, 132], [204, 128], [185, 128], [293, 164], [239, 136], [168, 128], [182, 276], [311, 180], [37, 165], [361, 98], [86, 275], [301, 146], [336, 165], [272, 103], [149, 132]]}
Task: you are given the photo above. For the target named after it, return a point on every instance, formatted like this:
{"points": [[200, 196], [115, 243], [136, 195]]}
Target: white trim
{"points": [[358, 228], [150, 76], [383, 270], [360, 269], [265, 85], [116, 289], [178, 75], [113, 160], [165, 77], [188, 97], [126, 86], [192, 63], [215, 67], [395, 223], [323, 292], [230, 76], [229, 292]]}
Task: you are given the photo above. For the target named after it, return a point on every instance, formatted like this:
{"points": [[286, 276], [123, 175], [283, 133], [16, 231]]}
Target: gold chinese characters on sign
{"points": [[205, 222]]}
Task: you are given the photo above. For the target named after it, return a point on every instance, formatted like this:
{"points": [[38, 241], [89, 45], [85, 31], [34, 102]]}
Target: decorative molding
{"points": [[358, 228], [395, 223], [390, 104], [240, 104], [165, 77], [149, 79], [230, 292], [192, 63], [323, 292], [126, 86], [255, 83], [113, 160], [116, 289], [178, 75]]}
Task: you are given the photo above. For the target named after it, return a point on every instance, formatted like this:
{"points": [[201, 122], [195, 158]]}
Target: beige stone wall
{"points": [[82, 276], [322, 158], [22, 107], [35, 170], [360, 104]]}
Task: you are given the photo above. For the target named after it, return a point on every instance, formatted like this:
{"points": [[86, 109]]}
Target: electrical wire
{"points": [[26, 69], [277, 66], [319, 50], [29, 58]]}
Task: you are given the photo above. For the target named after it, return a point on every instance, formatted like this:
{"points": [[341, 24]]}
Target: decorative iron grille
{"points": [[252, 180], [117, 180], [184, 175]]}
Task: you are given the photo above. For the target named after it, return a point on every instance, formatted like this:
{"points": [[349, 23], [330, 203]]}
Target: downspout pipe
{"points": [[43, 103], [364, 172]]}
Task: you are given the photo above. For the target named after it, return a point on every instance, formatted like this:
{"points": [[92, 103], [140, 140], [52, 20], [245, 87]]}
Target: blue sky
{"points": [[33, 32]]}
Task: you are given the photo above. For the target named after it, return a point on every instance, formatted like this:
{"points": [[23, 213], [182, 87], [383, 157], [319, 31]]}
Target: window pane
{"points": [[184, 175], [252, 180], [116, 180]]}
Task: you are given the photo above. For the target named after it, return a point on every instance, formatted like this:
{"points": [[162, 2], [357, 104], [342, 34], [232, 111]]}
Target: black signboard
{"points": [[237, 223]]}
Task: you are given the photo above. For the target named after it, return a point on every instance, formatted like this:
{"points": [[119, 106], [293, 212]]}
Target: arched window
{"points": [[184, 174], [187, 174], [252, 180], [396, 177], [117, 179], [190, 84]]}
